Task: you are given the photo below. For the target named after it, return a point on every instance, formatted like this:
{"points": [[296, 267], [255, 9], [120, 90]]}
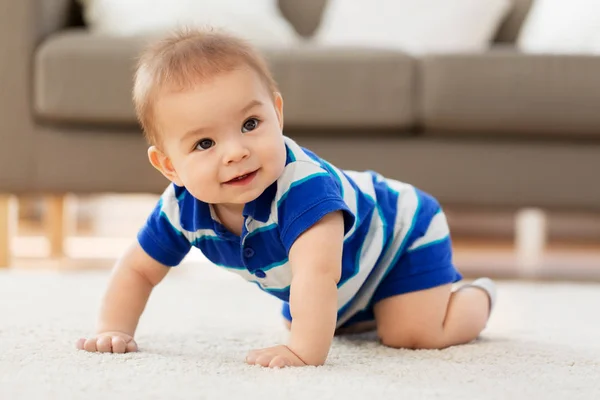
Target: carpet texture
{"points": [[542, 342]]}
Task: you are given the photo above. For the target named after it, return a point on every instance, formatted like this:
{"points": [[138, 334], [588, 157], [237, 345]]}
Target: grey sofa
{"points": [[497, 129]]}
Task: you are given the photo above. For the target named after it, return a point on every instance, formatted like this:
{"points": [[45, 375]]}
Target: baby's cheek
{"points": [[203, 185], [274, 161]]}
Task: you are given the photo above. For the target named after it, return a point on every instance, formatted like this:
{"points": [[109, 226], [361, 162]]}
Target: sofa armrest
{"points": [[23, 25], [54, 15]]}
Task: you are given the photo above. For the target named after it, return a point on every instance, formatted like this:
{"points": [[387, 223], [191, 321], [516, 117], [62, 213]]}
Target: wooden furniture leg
{"points": [[8, 225], [55, 224]]}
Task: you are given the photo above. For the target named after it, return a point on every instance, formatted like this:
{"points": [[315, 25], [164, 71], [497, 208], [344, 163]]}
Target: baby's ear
{"points": [[278, 101], [163, 163]]}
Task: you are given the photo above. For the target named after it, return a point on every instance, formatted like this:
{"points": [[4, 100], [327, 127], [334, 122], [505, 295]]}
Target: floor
{"points": [[541, 342]]}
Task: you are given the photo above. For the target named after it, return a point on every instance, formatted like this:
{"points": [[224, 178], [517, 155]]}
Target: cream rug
{"points": [[543, 342]]}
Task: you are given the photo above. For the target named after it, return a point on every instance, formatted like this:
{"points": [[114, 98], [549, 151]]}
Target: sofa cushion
{"points": [[417, 27], [87, 78], [558, 27], [504, 91], [259, 21]]}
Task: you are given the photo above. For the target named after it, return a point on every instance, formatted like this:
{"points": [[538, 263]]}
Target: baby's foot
{"points": [[489, 287]]}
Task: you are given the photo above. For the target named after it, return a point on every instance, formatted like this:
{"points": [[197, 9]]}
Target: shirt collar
{"points": [[260, 208]]}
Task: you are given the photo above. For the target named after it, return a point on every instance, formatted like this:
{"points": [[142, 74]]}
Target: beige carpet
{"points": [[543, 342]]}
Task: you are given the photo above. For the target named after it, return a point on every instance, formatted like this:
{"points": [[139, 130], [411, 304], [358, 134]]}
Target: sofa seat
{"points": [[84, 78], [507, 92]]}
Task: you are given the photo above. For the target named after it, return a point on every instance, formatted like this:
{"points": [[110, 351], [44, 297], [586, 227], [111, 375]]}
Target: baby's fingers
{"points": [[118, 344], [107, 344], [264, 359], [131, 346], [90, 345], [279, 362], [122, 345], [104, 344], [80, 343]]}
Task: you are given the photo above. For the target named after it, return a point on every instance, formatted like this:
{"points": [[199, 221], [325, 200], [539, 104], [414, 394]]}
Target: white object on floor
{"points": [[530, 240], [259, 21], [419, 27], [562, 27], [201, 321]]}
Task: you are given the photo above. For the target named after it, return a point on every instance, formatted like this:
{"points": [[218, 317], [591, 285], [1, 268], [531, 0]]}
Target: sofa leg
{"points": [[8, 225], [531, 233], [55, 224]]}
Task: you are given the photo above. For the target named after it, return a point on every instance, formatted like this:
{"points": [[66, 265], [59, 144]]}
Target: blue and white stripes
{"points": [[387, 223]]}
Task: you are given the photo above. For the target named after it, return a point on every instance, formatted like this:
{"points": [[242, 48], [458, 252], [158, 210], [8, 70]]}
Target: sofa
{"points": [[498, 129]]}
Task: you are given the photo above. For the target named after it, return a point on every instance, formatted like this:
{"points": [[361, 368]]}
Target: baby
{"points": [[345, 251]]}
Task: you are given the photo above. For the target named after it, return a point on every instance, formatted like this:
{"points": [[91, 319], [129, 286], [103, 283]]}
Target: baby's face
{"points": [[223, 137]]}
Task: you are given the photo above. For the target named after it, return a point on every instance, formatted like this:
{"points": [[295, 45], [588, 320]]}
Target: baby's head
{"points": [[211, 112]]}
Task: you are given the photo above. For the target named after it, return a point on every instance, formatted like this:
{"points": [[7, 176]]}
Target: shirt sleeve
{"points": [[162, 237], [308, 193]]}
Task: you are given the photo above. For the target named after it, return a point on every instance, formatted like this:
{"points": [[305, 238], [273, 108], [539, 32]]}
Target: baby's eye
{"points": [[250, 125], [204, 144]]}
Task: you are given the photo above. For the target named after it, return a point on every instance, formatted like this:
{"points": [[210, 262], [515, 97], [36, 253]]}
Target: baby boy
{"points": [[345, 251]]}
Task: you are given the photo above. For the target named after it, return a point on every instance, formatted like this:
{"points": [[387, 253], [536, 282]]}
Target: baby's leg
{"points": [[434, 318]]}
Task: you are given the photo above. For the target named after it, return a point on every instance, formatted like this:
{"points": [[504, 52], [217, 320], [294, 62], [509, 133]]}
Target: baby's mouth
{"points": [[239, 178], [242, 178]]}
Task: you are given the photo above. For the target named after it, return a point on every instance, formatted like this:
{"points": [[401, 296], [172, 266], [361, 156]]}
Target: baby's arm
{"points": [[316, 261], [132, 280]]}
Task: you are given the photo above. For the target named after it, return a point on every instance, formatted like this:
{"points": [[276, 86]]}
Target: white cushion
{"points": [[562, 26], [415, 26], [259, 21]]}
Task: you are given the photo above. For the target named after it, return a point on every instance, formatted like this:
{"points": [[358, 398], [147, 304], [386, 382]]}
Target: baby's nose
{"points": [[236, 153]]}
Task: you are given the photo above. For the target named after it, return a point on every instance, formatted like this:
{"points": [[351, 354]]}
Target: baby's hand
{"points": [[274, 357], [108, 342]]}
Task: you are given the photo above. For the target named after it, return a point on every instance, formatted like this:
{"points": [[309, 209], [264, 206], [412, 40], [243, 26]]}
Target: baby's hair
{"points": [[186, 58]]}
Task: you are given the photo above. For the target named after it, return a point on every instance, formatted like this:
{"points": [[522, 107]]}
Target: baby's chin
{"points": [[239, 200], [243, 199]]}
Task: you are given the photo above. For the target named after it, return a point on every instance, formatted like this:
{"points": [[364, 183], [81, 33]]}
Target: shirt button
{"points": [[248, 252], [260, 273]]}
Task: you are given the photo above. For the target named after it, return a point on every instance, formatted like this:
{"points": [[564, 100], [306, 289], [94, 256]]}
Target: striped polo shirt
{"points": [[384, 222]]}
